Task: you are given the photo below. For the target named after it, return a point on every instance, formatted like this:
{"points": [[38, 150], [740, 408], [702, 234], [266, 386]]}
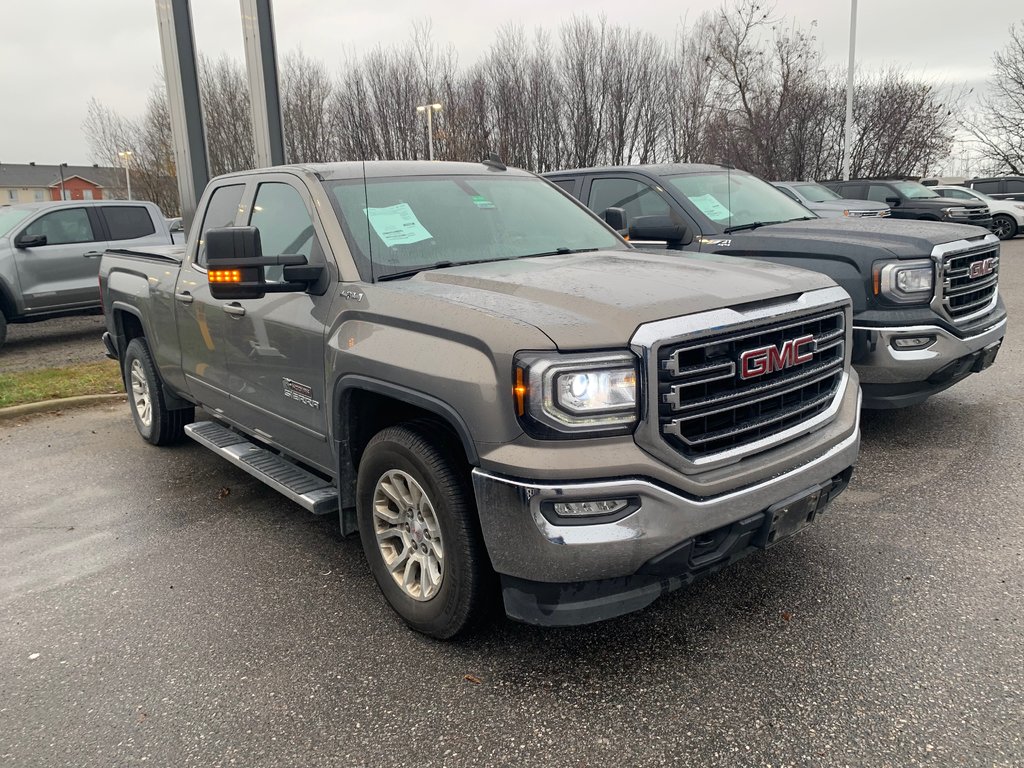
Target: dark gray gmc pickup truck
{"points": [[488, 383], [926, 306]]}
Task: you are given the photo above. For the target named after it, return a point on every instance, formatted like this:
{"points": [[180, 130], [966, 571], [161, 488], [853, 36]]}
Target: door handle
{"points": [[184, 297], [92, 254], [235, 309]]}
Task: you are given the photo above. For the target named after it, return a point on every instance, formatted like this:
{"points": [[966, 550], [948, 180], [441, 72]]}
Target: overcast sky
{"points": [[57, 54]]}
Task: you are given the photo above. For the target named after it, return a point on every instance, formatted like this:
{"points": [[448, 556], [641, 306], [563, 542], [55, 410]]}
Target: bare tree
{"points": [[998, 128]]}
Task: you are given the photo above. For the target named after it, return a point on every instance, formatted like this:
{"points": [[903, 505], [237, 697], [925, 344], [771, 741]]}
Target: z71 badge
{"points": [[303, 393]]}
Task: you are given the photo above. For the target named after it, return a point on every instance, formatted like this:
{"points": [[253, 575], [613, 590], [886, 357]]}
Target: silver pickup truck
{"points": [[489, 384], [49, 253]]}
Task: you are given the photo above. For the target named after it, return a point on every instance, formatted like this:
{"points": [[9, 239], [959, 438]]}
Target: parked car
{"points": [[49, 253], [911, 200], [999, 187], [1007, 215], [927, 311], [177, 228], [826, 203], [484, 378]]}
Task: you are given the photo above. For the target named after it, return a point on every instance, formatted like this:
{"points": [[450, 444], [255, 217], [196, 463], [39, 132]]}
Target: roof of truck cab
{"points": [[656, 169], [379, 169], [105, 202]]}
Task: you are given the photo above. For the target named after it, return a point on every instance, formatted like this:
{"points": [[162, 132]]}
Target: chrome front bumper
{"points": [[884, 364], [522, 542]]}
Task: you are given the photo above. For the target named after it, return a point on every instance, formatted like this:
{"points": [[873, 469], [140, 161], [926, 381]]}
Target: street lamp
{"points": [[429, 109], [127, 175], [63, 192]]}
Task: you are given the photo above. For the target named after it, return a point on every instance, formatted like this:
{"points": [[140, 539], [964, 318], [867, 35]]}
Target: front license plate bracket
{"points": [[791, 516]]}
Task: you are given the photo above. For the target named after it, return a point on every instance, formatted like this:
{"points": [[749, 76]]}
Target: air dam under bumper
{"points": [[895, 378], [556, 574]]}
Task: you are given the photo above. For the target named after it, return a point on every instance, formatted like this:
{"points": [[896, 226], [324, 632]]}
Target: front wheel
{"points": [[157, 423], [1004, 227], [419, 532]]}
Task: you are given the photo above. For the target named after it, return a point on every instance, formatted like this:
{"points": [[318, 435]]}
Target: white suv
{"points": [[1007, 215]]}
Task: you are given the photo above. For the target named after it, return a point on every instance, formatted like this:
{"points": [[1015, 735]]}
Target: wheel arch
{"points": [[363, 406]]}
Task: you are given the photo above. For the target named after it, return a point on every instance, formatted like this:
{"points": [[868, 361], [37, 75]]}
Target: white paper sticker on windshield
{"points": [[710, 207], [397, 225]]}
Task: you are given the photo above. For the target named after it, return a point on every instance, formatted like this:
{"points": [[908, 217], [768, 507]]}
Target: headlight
{"points": [[906, 282], [954, 213], [563, 396]]}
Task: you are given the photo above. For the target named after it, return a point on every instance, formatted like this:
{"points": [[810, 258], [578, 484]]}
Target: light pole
{"points": [[60, 169], [126, 155], [429, 109], [847, 148]]}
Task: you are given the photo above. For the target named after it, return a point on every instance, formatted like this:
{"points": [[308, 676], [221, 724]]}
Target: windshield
{"points": [[9, 218], [914, 191], [730, 199], [816, 193], [418, 222]]}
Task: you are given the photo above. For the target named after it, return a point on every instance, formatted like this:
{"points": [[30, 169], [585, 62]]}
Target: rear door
{"points": [[275, 345], [62, 274]]}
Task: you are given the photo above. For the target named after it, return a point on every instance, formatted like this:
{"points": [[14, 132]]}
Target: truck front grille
{"points": [[731, 389], [969, 283]]}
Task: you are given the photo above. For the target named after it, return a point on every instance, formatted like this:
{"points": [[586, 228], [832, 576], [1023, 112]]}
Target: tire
{"points": [[3, 329], [430, 561], [1004, 227], [157, 423]]}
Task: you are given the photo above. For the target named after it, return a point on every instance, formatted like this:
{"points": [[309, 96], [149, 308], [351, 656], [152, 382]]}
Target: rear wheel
{"points": [[157, 423], [418, 527], [3, 329], [1003, 226]]}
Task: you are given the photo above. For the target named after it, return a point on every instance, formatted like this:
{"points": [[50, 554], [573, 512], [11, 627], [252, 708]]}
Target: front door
{"points": [[275, 345], [62, 273], [200, 318]]}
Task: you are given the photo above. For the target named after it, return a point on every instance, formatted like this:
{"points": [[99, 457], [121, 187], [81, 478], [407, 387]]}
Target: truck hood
{"points": [[874, 237], [597, 300]]}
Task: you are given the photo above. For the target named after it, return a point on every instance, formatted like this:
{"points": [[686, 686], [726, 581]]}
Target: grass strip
{"points": [[51, 383]]}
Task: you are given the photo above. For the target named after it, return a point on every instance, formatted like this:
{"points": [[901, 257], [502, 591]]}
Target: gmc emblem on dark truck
{"points": [[982, 268], [758, 362]]}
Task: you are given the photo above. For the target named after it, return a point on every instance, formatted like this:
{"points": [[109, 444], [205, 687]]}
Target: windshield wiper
{"points": [[558, 252], [428, 267], [751, 225]]}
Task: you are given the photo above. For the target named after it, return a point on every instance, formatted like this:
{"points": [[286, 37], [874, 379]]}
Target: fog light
{"points": [[589, 508], [912, 342]]}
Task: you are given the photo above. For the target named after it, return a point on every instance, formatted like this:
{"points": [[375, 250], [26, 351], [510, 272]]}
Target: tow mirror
{"points": [[29, 241], [616, 219], [674, 233], [236, 267]]}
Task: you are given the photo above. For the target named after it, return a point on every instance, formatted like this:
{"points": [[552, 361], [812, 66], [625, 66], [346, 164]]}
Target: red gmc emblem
{"points": [[983, 267], [758, 362]]}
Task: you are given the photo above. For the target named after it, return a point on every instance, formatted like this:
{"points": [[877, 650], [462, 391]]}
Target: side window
{"points": [[988, 187], [635, 197], [220, 212], [878, 192], [569, 185], [285, 225], [126, 222], [1014, 186], [959, 194], [789, 193], [70, 225]]}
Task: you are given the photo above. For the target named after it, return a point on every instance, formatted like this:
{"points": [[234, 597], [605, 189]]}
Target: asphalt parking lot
{"points": [[159, 606]]}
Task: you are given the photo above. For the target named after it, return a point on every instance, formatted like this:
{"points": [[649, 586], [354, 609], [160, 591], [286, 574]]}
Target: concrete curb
{"points": [[60, 404]]}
